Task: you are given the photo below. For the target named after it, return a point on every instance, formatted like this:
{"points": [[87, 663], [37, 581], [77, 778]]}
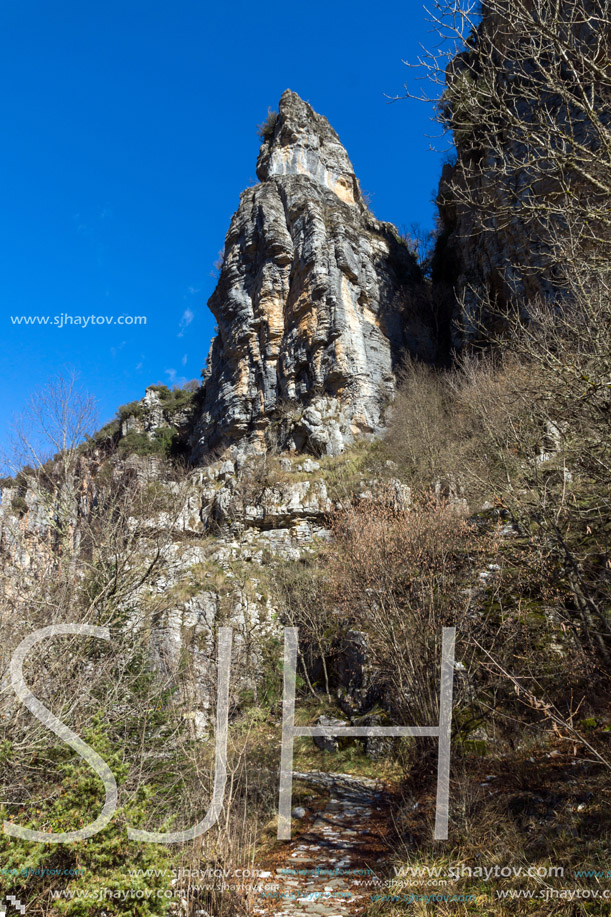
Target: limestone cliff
{"points": [[316, 304]]}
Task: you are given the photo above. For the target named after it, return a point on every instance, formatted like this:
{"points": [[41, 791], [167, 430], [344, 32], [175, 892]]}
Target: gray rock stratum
{"points": [[316, 304]]}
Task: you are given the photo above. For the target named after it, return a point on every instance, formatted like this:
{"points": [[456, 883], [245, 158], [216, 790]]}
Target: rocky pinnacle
{"points": [[317, 303]]}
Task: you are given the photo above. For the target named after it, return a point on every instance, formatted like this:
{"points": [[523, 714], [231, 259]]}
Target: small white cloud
{"points": [[185, 321], [174, 378], [194, 290], [184, 360]]}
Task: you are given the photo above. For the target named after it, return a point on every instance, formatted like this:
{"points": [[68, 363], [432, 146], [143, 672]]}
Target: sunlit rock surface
{"points": [[317, 303]]}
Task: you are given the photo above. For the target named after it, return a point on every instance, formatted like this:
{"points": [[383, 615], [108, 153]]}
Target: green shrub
{"points": [[176, 399], [103, 867], [266, 128], [162, 390], [108, 431], [161, 443], [164, 440], [132, 409], [135, 444], [19, 505]]}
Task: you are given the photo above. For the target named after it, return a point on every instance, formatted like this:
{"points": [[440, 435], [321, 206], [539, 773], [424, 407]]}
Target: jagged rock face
{"points": [[316, 303]]}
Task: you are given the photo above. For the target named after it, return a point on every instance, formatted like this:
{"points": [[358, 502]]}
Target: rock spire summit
{"points": [[302, 142]]}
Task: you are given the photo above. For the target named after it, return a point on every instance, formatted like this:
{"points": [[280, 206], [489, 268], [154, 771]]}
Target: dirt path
{"points": [[326, 870]]}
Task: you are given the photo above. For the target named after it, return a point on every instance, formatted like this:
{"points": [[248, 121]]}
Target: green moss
{"points": [[476, 746]]}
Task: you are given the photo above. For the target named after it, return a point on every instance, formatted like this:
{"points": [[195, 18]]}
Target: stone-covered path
{"points": [[328, 869]]}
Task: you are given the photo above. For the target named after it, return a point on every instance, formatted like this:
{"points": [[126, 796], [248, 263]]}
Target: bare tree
{"points": [[57, 418], [525, 89], [44, 452]]}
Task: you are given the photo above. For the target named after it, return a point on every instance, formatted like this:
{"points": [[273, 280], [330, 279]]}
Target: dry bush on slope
{"points": [[398, 577]]}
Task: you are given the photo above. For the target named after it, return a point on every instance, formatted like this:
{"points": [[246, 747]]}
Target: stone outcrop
{"points": [[316, 304], [161, 412]]}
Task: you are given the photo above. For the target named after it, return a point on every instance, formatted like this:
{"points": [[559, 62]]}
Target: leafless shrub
{"points": [[395, 575]]}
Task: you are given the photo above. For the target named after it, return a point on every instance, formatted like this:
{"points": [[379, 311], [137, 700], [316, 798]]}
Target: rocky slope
{"points": [[197, 550]]}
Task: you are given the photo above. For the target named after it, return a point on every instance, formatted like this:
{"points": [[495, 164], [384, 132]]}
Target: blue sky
{"points": [[129, 131]]}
